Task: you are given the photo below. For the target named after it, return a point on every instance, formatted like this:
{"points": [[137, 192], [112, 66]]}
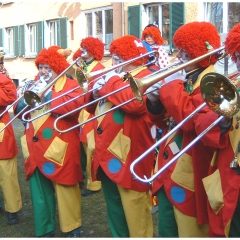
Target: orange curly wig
{"points": [[128, 47], [192, 37], [77, 54], [232, 42], [55, 57], [94, 46], [155, 33]]}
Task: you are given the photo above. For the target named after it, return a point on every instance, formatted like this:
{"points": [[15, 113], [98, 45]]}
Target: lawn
{"points": [[94, 216]]}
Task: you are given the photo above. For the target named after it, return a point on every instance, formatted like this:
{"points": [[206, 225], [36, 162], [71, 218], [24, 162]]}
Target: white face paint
{"points": [[183, 56], [115, 61], [237, 54], [45, 72]]}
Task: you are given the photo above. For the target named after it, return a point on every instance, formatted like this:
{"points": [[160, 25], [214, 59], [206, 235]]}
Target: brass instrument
{"points": [[221, 95], [83, 80], [139, 86]]}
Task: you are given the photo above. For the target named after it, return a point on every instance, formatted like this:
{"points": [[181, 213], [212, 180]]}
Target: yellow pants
{"points": [[188, 226], [9, 185], [91, 185]]}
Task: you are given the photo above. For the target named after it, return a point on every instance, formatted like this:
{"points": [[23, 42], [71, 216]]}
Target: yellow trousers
{"points": [[9, 185]]}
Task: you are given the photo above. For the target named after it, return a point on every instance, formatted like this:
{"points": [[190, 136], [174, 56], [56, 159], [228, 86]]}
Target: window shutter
{"points": [[1, 37], [177, 18], [134, 20], [62, 33], [21, 41], [40, 36], [16, 40]]}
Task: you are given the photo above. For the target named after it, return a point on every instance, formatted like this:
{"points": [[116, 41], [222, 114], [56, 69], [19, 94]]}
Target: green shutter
{"points": [[16, 40], [134, 20], [1, 37], [21, 40], [177, 18], [62, 35], [40, 36]]}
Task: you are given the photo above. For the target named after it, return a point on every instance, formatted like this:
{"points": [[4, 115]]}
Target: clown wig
{"points": [[155, 33], [55, 57], [195, 38], [232, 42], [128, 47], [94, 46]]}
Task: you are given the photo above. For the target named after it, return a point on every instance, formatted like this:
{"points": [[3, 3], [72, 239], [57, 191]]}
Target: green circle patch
{"points": [[47, 133]]}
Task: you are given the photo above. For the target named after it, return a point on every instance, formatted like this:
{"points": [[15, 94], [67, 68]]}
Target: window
{"points": [[9, 42], [31, 40], [100, 25], [160, 16], [224, 15], [52, 33]]}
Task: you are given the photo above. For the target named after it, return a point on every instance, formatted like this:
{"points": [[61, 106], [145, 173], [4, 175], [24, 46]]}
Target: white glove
{"points": [[153, 94], [97, 86], [40, 85], [174, 76]]}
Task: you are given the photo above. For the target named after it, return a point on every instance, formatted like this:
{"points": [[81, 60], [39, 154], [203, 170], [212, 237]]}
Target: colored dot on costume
{"points": [[47, 133], [114, 165], [118, 116], [48, 168], [178, 194]]}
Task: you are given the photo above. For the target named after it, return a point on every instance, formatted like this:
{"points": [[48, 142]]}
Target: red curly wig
{"points": [[193, 38], [55, 57], [155, 33], [128, 47], [94, 46], [77, 54], [232, 42]]}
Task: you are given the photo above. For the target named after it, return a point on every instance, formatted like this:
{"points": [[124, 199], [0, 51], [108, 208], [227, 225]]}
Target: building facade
{"points": [[27, 27]]}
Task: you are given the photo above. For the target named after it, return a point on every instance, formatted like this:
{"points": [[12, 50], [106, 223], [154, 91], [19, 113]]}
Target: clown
{"points": [[222, 184], [121, 136], [52, 159], [151, 37], [181, 196]]}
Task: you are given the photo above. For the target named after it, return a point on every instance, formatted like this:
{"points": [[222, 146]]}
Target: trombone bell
{"points": [[220, 94]]}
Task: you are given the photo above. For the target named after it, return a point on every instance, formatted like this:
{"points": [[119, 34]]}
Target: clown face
{"points": [[86, 56], [115, 61], [46, 73], [149, 39]]}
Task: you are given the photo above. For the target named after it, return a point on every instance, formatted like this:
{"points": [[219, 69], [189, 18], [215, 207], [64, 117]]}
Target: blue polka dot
{"points": [[48, 168], [178, 194], [114, 165]]}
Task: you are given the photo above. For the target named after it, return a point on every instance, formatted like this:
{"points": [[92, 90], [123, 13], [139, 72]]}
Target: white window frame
{"points": [[9, 42], [94, 28], [48, 32], [31, 39]]}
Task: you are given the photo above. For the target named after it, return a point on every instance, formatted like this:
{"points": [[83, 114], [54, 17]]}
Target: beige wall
{"points": [[34, 11]]}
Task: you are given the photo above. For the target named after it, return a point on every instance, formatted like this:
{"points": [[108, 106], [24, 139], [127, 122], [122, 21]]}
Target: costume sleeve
{"points": [[71, 105], [8, 92], [179, 103]]}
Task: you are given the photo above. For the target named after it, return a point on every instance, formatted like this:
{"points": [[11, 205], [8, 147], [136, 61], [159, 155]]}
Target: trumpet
{"points": [[221, 95]]}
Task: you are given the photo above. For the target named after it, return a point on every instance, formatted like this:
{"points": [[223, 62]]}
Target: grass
{"points": [[94, 215]]}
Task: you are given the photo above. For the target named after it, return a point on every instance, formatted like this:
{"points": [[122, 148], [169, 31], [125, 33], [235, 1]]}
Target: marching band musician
{"points": [[120, 136], [222, 184], [92, 52], [181, 196], [9, 150], [51, 159]]}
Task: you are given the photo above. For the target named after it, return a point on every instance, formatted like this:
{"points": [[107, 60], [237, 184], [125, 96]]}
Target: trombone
{"points": [[221, 95], [34, 99], [85, 78]]}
